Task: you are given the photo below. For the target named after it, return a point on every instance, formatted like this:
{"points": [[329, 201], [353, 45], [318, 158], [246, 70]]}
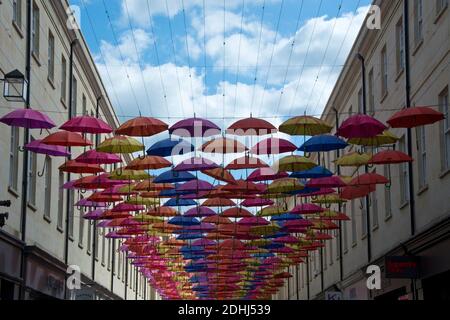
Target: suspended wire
{"points": [[163, 87], [288, 67], [138, 58], [204, 58], [188, 56], [324, 55], [258, 54], [121, 55], [271, 56], [239, 57]]}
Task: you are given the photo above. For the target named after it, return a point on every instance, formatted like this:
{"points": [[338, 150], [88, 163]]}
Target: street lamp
{"points": [[15, 86]]}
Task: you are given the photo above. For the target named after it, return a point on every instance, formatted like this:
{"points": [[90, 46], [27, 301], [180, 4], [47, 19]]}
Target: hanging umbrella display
{"points": [[390, 157], [386, 138], [125, 174], [251, 127], [273, 146], [86, 124], [170, 147], [142, 127], [323, 143], [148, 163], [295, 163], [37, 146], [196, 164], [415, 117], [120, 144], [194, 127], [223, 146], [353, 159], [27, 118], [66, 139], [246, 162], [95, 157], [305, 126], [77, 167], [361, 126]]}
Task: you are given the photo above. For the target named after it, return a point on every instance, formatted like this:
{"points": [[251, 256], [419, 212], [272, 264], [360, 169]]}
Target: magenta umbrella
{"points": [[69, 185], [196, 164], [196, 185], [257, 202], [37, 146], [307, 208], [86, 203], [95, 157], [94, 215], [125, 207], [361, 126], [326, 182], [199, 212], [266, 174], [194, 127], [253, 221], [273, 146], [27, 118], [86, 124]]}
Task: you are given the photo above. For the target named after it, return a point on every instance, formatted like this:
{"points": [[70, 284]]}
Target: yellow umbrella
{"points": [[295, 163], [120, 144], [386, 138], [142, 201], [147, 218], [305, 126], [353, 159], [124, 174], [285, 185], [264, 230], [346, 179], [329, 199], [271, 211]]}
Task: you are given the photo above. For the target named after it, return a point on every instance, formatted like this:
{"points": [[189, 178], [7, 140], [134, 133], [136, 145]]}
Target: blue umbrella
{"points": [[174, 176], [184, 221], [285, 217], [276, 235], [174, 202], [306, 190], [169, 147], [190, 236], [323, 143], [316, 172], [172, 192]]}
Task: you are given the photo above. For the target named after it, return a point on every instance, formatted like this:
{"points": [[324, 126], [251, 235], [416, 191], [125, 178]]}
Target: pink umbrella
{"points": [[326, 182], [361, 126], [86, 124], [273, 146], [307, 208], [253, 221], [27, 118], [196, 185], [125, 207], [93, 215], [257, 202], [287, 239], [69, 185], [196, 164], [194, 127], [199, 212], [86, 203], [95, 157], [266, 174], [37, 146]]}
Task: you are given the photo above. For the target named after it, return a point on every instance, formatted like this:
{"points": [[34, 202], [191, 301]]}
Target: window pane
{"points": [[60, 200], [48, 186], [14, 158]]}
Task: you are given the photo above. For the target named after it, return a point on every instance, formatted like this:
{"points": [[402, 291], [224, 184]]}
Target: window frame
{"points": [[400, 46], [13, 181], [32, 177], [35, 30], [17, 13], [445, 130], [422, 156], [48, 187], [51, 57], [418, 22], [384, 72], [63, 79]]}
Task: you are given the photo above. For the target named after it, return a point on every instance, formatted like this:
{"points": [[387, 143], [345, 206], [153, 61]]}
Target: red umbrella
{"points": [[66, 139], [142, 127], [220, 174], [86, 124], [236, 213], [369, 179], [355, 192], [415, 117], [266, 174], [390, 157], [147, 163], [361, 126], [95, 157], [96, 182], [273, 146], [251, 127], [77, 167], [246, 162], [326, 182], [99, 197]]}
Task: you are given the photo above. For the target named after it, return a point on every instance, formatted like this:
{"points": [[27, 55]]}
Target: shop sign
{"points": [[402, 267], [84, 294]]}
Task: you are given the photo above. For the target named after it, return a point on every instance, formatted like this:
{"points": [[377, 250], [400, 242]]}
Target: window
{"points": [[84, 106], [103, 247], [354, 236], [35, 31], [360, 101], [17, 13], [14, 158], [422, 156], [109, 253], [63, 79], [441, 5], [344, 231], [418, 21], [97, 233], [119, 264], [81, 228], [71, 194], [363, 218], [51, 57], [32, 165], [374, 203], [387, 194], [331, 251], [404, 177], [445, 131], [400, 44], [89, 237], [371, 93], [48, 187], [60, 201], [384, 72], [74, 96]]}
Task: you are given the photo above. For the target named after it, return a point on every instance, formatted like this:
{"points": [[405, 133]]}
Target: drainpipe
{"points": [[26, 138], [307, 278], [366, 168], [126, 276], [68, 200], [113, 263]]}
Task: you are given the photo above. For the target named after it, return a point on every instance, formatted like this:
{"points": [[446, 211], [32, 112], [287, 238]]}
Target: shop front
{"points": [[10, 256]]}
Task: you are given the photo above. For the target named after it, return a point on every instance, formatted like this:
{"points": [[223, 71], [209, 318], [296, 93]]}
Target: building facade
{"points": [[342, 265], [45, 269]]}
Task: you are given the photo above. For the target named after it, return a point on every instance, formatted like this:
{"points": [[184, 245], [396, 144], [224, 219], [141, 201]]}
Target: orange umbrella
{"points": [[217, 220], [218, 202], [148, 163], [76, 167], [147, 185], [142, 127], [99, 197], [220, 174], [236, 213], [355, 192], [223, 145], [66, 139], [246, 162], [369, 179], [251, 127], [162, 212], [390, 157]]}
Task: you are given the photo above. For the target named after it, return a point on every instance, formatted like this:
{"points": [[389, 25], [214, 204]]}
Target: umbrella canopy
{"points": [[305, 126], [101, 181], [295, 163], [194, 127], [251, 127], [172, 176], [142, 127], [120, 144], [316, 172], [125, 174], [361, 126], [77, 167], [199, 212], [285, 185], [27, 118], [236, 213], [256, 202], [273, 146], [222, 146], [218, 202], [148, 163], [196, 164], [369, 179], [37, 146], [86, 124], [246, 162], [323, 143], [66, 139], [415, 117], [390, 157], [307, 208], [162, 212], [170, 147], [357, 191], [196, 185], [386, 138], [95, 157], [266, 174], [327, 182], [353, 159], [220, 174]]}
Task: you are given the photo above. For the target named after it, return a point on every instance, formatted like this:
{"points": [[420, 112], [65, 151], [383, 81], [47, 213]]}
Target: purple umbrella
{"points": [[121, 207], [86, 203], [94, 215], [196, 164], [37, 146], [28, 118], [194, 127], [326, 182], [69, 185], [199, 212], [196, 185], [95, 157], [86, 124], [253, 221]]}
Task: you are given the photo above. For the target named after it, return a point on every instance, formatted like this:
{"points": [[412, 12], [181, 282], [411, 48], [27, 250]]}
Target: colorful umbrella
{"points": [[246, 162], [256, 202], [390, 157], [361, 126], [196, 164], [222, 146], [266, 174], [218, 202], [95, 157], [148, 163], [386, 138], [323, 143], [142, 127], [120, 144], [285, 185], [273, 146], [77, 167], [236, 213], [86, 124], [27, 118], [170, 147], [220, 174], [295, 163], [415, 117], [369, 179], [327, 182], [194, 127], [307, 208], [172, 176], [66, 139], [353, 159], [37, 146], [125, 174], [316, 172], [357, 191], [251, 127], [305, 126]]}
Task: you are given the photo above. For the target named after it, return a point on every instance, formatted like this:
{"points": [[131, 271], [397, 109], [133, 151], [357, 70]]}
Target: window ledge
{"points": [[36, 58], [364, 236], [399, 74], [32, 207], [404, 204], [47, 219], [52, 84], [71, 239], [18, 29], [13, 192], [80, 245], [440, 13], [354, 244], [384, 96], [422, 190], [388, 217], [60, 229], [88, 253], [63, 102], [417, 46], [376, 227], [345, 251], [444, 173]]}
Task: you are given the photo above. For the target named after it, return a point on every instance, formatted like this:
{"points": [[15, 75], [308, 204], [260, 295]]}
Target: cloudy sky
{"points": [[220, 59]]}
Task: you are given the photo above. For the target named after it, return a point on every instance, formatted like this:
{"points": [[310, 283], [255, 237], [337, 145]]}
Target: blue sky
{"points": [[141, 49]]}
